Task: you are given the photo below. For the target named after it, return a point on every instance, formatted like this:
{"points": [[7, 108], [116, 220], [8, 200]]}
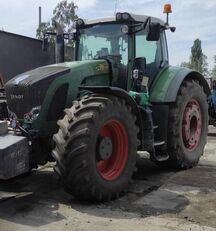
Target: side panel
{"points": [[167, 83]]}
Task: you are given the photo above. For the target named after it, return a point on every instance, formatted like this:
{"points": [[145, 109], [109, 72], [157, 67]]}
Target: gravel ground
{"points": [[158, 199]]}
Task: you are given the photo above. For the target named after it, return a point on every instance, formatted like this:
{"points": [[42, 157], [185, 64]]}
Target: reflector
{"points": [[118, 16]]}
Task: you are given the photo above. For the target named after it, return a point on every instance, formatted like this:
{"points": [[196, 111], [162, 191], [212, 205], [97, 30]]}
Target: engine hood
{"points": [[29, 89], [33, 76]]}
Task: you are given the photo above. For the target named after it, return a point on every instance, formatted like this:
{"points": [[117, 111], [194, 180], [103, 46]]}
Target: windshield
{"points": [[104, 40]]}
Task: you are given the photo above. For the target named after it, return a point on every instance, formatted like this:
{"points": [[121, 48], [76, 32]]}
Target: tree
{"points": [[64, 13], [196, 55], [42, 28], [198, 60], [185, 64], [205, 70], [213, 71]]}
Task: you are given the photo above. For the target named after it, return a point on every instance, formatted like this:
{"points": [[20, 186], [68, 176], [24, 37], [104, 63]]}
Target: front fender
{"points": [[167, 83]]}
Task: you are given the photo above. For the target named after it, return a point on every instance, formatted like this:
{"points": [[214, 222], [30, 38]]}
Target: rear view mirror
{"points": [[153, 32], [45, 44]]}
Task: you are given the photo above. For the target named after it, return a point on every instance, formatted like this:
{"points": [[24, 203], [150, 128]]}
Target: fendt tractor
{"points": [[93, 115]]}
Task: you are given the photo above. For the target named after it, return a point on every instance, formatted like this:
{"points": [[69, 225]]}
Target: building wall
{"points": [[19, 54]]}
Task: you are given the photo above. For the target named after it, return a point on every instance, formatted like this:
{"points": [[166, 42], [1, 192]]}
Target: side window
{"points": [[151, 51], [144, 48]]}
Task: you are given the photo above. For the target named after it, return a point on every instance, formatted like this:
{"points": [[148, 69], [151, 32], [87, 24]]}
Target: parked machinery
{"points": [[120, 96]]}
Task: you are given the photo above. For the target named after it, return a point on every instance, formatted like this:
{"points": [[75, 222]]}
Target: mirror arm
{"points": [[147, 21], [171, 28]]}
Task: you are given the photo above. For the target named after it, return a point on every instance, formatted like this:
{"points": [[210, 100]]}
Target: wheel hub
{"points": [[105, 148], [112, 150], [191, 125]]}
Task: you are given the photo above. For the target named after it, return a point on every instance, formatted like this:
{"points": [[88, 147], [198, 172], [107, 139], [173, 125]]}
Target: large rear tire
{"points": [[96, 148], [187, 127]]}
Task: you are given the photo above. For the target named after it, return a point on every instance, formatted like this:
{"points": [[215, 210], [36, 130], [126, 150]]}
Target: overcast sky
{"points": [[193, 19]]}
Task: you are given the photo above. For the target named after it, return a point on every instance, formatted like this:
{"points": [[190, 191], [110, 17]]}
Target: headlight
{"points": [[118, 16], [123, 17], [13, 119], [32, 115], [80, 22], [125, 29]]}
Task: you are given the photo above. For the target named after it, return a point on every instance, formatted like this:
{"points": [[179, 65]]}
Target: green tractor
{"points": [[93, 115]]}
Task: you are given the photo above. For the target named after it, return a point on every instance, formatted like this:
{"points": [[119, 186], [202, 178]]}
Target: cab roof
{"points": [[135, 17]]}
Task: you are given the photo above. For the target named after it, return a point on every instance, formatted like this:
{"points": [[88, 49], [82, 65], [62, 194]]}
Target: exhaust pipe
{"points": [[59, 46]]}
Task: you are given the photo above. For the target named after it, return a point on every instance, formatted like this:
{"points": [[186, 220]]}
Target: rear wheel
{"points": [[188, 127], [96, 147]]}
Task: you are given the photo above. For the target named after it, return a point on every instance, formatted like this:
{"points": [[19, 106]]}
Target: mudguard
{"points": [[167, 83]]}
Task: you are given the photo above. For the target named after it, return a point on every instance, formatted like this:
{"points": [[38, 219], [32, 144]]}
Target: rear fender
{"points": [[166, 85]]}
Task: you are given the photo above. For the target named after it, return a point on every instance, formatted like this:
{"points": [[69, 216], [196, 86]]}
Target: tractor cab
{"points": [[134, 45]]}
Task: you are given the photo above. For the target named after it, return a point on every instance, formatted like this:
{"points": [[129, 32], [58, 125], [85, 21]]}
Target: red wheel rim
{"points": [[192, 125], [111, 168]]}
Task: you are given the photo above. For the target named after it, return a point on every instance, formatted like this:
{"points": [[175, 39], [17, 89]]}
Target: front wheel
{"points": [[96, 147], [188, 127]]}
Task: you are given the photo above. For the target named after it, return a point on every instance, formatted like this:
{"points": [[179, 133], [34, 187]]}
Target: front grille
{"points": [[18, 99], [28, 90]]}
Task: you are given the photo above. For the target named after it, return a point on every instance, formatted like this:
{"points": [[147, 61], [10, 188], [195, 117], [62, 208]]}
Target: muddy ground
{"points": [[157, 200]]}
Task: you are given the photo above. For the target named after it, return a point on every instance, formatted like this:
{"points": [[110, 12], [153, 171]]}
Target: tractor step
{"points": [[159, 143], [162, 157]]}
